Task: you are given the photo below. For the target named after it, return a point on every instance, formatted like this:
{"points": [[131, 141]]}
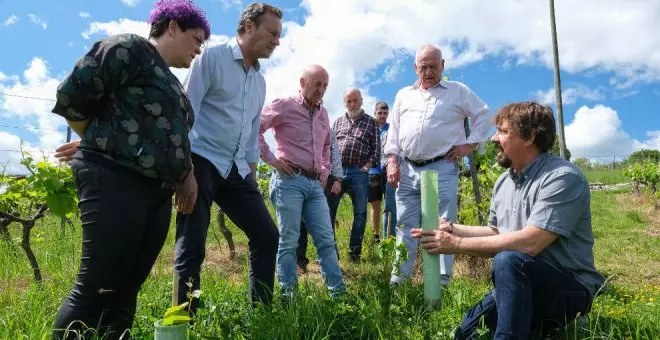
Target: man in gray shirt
{"points": [[539, 232]]}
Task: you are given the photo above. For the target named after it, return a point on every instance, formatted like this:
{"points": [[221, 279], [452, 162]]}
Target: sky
{"points": [[609, 55]]}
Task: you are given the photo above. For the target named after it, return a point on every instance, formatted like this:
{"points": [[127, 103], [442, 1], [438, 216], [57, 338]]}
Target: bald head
{"points": [[311, 70], [429, 65], [313, 83], [432, 50]]}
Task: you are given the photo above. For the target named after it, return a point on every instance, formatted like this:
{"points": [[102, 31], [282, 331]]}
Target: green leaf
{"points": [[175, 320], [60, 204], [174, 310]]}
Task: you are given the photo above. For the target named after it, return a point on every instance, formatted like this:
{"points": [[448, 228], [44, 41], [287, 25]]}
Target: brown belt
{"points": [[307, 173]]}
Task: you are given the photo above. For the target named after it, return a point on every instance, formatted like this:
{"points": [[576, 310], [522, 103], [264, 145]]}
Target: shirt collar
{"points": [[529, 169], [238, 54], [442, 84], [300, 99]]}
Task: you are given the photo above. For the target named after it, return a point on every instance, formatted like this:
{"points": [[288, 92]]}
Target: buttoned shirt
{"points": [[227, 101], [552, 194], [359, 140], [427, 123], [302, 134]]}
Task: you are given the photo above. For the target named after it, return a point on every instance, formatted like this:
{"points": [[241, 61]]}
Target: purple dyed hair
{"points": [[184, 12]]}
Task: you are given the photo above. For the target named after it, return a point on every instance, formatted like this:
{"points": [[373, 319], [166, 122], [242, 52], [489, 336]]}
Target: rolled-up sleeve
{"points": [[108, 64], [268, 120], [479, 114], [392, 143]]}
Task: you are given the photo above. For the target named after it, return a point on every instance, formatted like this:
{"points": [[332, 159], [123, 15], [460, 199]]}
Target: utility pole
{"points": [[560, 111]]}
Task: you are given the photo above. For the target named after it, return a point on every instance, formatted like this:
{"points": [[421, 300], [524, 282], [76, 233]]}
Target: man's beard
{"points": [[502, 159], [354, 114]]}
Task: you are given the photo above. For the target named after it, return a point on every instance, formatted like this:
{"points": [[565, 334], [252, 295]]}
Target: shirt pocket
{"points": [[359, 132]]}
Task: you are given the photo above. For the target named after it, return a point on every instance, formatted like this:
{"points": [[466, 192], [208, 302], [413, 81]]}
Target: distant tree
{"points": [[583, 163], [645, 155], [555, 149]]}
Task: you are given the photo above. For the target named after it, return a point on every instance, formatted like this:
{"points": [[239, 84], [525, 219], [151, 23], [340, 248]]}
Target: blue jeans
{"points": [[409, 208], [528, 293], [356, 184], [296, 197], [390, 207]]}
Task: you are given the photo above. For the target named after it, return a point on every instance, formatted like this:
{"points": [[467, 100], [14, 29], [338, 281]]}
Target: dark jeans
{"points": [[240, 199], [528, 293], [301, 252], [356, 184], [125, 221]]}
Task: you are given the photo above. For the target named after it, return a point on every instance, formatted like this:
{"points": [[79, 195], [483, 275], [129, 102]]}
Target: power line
{"points": [[39, 151], [26, 97], [29, 128]]}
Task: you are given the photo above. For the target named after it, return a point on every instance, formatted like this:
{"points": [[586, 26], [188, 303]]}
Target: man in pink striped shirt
{"points": [[302, 165]]}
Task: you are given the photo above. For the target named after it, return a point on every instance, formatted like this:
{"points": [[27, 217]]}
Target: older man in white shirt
{"points": [[427, 133]]}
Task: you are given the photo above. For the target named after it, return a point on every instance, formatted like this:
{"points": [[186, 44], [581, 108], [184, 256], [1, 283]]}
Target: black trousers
{"points": [[240, 199], [125, 220]]}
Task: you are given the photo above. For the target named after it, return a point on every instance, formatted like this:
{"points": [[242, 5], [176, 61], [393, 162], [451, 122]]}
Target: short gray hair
{"points": [[352, 89], [432, 47]]}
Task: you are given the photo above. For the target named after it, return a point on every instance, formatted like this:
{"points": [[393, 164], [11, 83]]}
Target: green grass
{"points": [[624, 252], [606, 177]]}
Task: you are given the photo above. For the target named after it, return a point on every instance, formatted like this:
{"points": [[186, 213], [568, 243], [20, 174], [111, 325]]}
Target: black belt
{"points": [[424, 162]]}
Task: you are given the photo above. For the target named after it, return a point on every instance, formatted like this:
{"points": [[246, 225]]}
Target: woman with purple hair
{"points": [[133, 118]]}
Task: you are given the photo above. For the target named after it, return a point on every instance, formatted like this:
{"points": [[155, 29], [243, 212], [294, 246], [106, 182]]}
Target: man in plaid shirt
{"points": [[359, 143]]}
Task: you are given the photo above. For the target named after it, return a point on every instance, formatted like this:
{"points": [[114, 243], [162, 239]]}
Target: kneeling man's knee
{"points": [[507, 259]]}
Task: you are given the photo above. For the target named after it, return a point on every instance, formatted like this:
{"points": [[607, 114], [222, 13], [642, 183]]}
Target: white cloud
{"points": [[140, 28], [653, 141], [84, 15], [227, 4], [598, 132], [11, 20], [569, 95], [37, 21], [36, 83], [368, 35], [131, 3], [10, 154], [624, 94], [117, 27], [353, 38]]}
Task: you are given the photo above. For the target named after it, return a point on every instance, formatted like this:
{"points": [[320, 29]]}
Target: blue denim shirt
{"points": [[227, 101]]}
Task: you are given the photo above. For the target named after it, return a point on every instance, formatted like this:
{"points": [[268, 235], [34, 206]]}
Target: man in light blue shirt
{"points": [[227, 93]]}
